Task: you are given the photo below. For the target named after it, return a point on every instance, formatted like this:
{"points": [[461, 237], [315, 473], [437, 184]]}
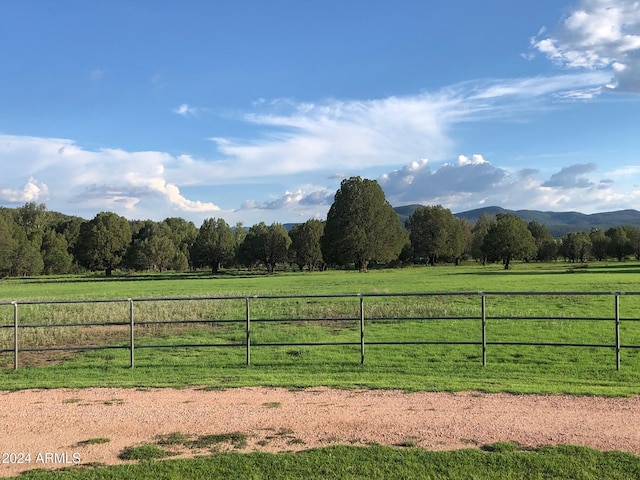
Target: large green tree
{"points": [[214, 245], [479, 231], [103, 242], [599, 244], [239, 234], [18, 254], [575, 246], [183, 235], [55, 253], [435, 233], [546, 247], [152, 247], [33, 219], [266, 245], [619, 244], [277, 246], [305, 244], [70, 227], [466, 227], [8, 245], [361, 226], [509, 239], [633, 233]]}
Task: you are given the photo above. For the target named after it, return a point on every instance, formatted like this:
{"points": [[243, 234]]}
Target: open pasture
{"points": [[422, 322], [389, 319]]}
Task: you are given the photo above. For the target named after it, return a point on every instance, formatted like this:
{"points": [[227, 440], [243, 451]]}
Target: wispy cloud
{"points": [[341, 135], [598, 34], [185, 110], [97, 74]]}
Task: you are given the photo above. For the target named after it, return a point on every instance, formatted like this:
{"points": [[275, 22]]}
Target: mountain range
{"points": [[558, 223]]}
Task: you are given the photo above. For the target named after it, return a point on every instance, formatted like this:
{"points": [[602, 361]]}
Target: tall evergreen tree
{"points": [[435, 233], [546, 247], [361, 226], [8, 245], [466, 227], [509, 239], [55, 253], [266, 245], [599, 244], [633, 233], [214, 245], [619, 243], [575, 247], [18, 254], [479, 232], [103, 242], [183, 235], [277, 246], [305, 244], [152, 247]]}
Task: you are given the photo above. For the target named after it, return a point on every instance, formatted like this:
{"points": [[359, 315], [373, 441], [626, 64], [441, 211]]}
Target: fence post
{"points": [[617, 310], [131, 335], [361, 329], [248, 310], [484, 329], [15, 335]]}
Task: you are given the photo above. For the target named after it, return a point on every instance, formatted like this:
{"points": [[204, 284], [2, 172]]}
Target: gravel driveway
{"points": [[50, 426]]}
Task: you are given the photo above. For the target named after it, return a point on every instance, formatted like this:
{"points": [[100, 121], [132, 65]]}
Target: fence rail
{"points": [[361, 320]]}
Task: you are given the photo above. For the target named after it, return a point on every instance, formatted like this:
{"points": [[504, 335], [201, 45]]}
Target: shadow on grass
{"points": [[564, 270], [139, 277]]}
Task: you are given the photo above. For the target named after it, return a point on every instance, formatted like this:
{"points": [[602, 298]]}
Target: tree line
{"points": [[361, 229]]}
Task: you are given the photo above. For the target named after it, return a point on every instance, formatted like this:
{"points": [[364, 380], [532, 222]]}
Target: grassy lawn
{"points": [[472, 277], [497, 461]]}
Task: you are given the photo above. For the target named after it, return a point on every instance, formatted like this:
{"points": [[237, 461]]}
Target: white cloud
{"points": [[573, 176], [302, 201], [185, 110], [475, 159], [106, 179], [33, 191], [626, 172], [339, 136], [474, 182], [583, 94], [417, 183], [598, 34], [143, 185]]}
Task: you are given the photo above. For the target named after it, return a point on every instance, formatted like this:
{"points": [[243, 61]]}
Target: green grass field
{"points": [[455, 367], [495, 462], [557, 276]]}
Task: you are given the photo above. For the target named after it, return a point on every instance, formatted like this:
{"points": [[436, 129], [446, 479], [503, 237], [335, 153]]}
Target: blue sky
{"points": [[255, 111]]}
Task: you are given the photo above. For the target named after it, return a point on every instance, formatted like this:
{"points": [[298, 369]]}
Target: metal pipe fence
{"points": [[359, 318]]}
